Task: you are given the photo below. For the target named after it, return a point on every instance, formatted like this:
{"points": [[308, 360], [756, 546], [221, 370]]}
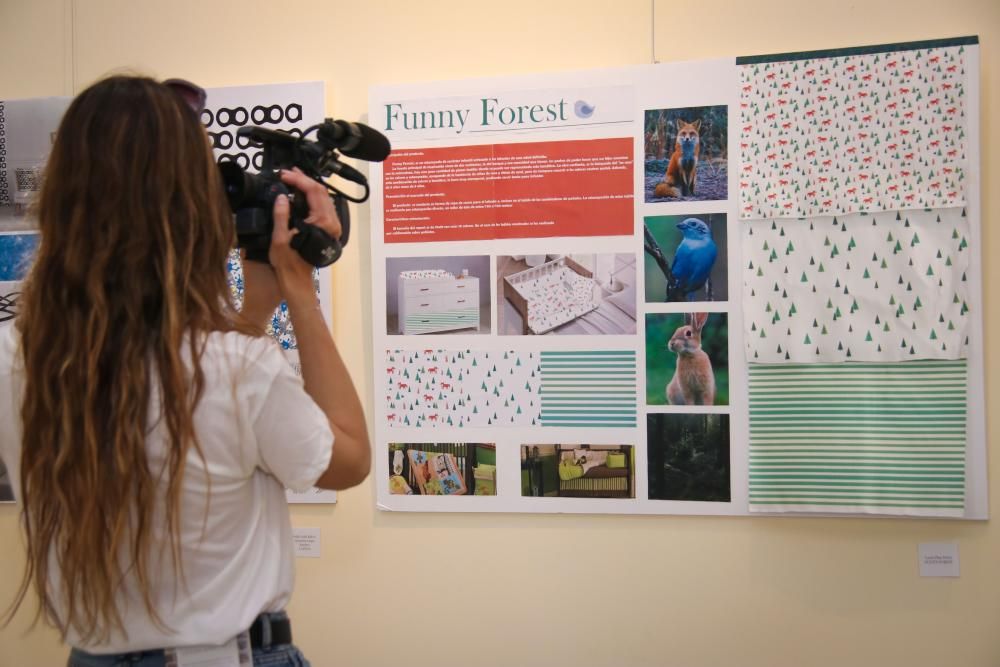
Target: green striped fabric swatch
{"points": [[884, 438], [588, 388], [456, 318]]}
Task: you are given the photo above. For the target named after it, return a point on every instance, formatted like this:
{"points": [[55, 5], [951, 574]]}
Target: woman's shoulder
{"points": [[245, 367], [239, 351]]}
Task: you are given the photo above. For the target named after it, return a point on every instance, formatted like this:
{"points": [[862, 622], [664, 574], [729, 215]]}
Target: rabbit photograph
{"points": [[687, 359]]}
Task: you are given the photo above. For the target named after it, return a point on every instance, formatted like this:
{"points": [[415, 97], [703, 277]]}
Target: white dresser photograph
{"points": [[436, 300]]}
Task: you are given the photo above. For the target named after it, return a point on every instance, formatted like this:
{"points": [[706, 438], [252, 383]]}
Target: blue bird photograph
{"points": [[686, 258]]}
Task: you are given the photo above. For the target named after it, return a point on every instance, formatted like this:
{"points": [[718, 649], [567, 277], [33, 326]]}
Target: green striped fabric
{"points": [[588, 388], [458, 318], [886, 438]]}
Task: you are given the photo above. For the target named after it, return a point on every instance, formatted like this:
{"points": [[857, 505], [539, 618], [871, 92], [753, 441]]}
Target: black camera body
{"points": [[252, 196]]}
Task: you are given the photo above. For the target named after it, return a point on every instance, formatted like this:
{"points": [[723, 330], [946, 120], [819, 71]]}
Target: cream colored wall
{"points": [[556, 590]]}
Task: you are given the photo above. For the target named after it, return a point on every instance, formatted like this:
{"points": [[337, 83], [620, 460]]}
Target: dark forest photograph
{"points": [[688, 457]]}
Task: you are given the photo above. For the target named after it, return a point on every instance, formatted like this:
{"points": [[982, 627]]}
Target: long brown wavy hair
{"points": [[130, 269]]}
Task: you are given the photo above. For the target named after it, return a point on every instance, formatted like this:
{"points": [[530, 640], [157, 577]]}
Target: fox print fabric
{"points": [[888, 286], [837, 135]]}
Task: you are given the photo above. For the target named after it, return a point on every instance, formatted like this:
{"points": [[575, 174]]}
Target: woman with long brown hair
{"points": [[149, 428]]}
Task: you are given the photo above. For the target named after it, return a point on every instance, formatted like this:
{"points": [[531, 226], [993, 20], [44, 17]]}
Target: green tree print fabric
{"points": [[889, 286]]}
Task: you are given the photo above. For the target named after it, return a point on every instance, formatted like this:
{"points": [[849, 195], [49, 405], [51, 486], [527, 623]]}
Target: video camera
{"points": [[252, 196]]}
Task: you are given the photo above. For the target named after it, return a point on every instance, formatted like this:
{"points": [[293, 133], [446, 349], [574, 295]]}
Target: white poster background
{"points": [[662, 86], [274, 105], [27, 129], [620, 98]]}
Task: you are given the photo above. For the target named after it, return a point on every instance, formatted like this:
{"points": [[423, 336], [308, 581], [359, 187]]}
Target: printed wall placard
{"points": [[512, 321], [27, 129], [290, 107], [17, 251]]}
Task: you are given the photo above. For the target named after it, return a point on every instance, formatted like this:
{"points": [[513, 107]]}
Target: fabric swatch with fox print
{"points": [[870, 132]]}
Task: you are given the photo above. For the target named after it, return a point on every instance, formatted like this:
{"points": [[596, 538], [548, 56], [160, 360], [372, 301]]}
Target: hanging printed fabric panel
{"points": [[858, 130], [869, 438], [889, 286], [856, 262]]}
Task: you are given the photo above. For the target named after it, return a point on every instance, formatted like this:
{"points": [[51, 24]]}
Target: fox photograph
{"points": [[686, 154], [686, 258], [687, 359]]}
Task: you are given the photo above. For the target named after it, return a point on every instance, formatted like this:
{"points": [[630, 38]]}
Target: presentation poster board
{"points": [[651, 290], [290, 107], [27, 129]]}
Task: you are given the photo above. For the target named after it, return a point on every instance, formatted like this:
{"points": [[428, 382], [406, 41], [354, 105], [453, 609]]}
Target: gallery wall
{"points": [[583, 590]]}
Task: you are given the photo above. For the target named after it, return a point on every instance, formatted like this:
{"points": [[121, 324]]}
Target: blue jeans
{"points": [[286, 655], [271, 655]]}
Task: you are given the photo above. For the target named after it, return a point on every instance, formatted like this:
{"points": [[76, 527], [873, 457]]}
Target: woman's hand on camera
{"points": [[295, 275], [323, 370]]}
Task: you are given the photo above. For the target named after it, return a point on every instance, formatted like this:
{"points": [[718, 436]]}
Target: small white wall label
{"points": [[938, 559], [307, 542]]}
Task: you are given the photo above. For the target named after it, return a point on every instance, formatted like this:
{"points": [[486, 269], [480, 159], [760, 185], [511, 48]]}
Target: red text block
{"points": [[502, 191]]}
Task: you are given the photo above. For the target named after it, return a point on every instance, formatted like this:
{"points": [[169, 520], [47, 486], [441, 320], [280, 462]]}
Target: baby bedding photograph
{"points": [[452, 469], [578, 471], [581, 294]]}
